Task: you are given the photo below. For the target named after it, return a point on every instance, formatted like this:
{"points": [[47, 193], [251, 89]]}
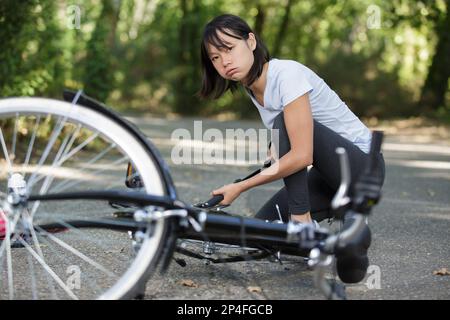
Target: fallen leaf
{"points": [[188, 283], [254, 289], [442, 272]]}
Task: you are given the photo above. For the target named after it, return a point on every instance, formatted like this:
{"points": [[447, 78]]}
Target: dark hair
{"points": [[212, 83]]}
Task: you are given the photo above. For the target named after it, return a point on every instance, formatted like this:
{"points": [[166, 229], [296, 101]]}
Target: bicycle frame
{"points": [[196, 224]]}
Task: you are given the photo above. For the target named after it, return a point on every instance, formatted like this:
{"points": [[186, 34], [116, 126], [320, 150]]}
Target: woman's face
{"points": [[234, 62]]}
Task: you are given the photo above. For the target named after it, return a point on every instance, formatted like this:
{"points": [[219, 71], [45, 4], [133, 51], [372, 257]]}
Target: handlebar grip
{"points": [[212, 202], [351, 260], [375, 148]]}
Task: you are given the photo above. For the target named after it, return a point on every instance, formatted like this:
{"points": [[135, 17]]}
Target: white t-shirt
{"points": [[287, 80]]}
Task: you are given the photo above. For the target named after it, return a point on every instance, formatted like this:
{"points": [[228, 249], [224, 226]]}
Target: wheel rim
{"points": [[81, 150]]}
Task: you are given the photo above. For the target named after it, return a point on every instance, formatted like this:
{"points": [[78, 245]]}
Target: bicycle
{"points": [[62, 193]]}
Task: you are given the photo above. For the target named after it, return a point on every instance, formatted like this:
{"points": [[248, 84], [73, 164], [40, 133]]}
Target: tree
{"points": [[99, 76], [282, 31], [188, 64], [436, 83], [30, 48]]}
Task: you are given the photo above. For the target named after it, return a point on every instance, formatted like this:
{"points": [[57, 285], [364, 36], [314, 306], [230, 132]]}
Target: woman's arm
{"points": [[299, 125]]}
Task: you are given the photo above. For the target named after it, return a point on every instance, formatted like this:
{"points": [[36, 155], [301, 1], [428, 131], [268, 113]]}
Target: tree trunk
{"points": [[436, 84], [181, 103], [114, 20], [283, 29], [98, 78], [259, 20]]}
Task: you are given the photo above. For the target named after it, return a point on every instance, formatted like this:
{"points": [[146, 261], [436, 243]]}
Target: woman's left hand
{"points": [[229, 192]]}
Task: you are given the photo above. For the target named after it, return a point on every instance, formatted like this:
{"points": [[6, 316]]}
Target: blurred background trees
{"points": [[384, 58]]}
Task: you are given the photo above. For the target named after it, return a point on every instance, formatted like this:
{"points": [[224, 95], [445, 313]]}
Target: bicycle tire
{"points": [[111, 128]]}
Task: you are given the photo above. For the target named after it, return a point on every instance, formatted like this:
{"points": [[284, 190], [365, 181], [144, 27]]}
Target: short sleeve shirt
{"points": [[287, 80]]}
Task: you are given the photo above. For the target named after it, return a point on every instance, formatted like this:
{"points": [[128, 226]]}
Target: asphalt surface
{"points": [[410, 226]]}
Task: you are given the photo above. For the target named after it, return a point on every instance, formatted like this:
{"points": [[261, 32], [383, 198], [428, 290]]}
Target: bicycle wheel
{"points": [[52, 146]]}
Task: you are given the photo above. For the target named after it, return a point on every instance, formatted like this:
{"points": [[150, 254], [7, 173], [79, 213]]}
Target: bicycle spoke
{"points": [[5, 153], [30, 146], [92, 283], [74, 183], [61, 150], [54, 135], [33, 278], [9, 266], [7, 242], [91, 161], [49, 179], [84, 235], [13, 147], [48, 269], [61, 157], [72, 139], [55, 160], [13, 226], [39, 250], [54, 165], [78, 148], [76, 252]]}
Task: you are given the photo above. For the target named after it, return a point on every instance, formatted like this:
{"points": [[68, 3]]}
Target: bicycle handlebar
{"points": [[352, 244], [375, 149], [215, 200]]}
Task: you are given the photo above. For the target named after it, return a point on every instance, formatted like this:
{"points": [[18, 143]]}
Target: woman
{"points": [[312, 121]]}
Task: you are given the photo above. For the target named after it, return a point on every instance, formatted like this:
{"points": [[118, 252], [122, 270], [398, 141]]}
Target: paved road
{"points": [[410, 227]]}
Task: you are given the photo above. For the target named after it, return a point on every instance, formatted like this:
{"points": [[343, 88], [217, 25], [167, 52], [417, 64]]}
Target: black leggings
{"points": [[313, 190]]}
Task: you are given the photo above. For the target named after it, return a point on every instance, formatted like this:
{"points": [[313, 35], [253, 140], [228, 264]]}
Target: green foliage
{"points": [[379, 56], [99, 76], [30, 50]]}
